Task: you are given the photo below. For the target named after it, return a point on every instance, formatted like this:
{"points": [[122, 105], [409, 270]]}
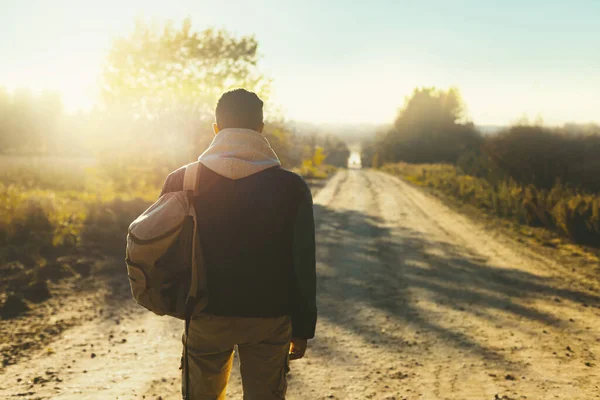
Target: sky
{"points": [[337, 61]]}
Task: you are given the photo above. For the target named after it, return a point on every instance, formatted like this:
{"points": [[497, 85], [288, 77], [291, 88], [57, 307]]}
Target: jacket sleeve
{"points": [[304, 303]]}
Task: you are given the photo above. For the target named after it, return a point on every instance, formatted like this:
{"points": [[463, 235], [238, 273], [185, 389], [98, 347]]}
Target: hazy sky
{"points": [[342, 61]]}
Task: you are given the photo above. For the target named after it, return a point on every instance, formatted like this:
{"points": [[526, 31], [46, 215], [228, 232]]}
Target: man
{"points": [[256, 229]]}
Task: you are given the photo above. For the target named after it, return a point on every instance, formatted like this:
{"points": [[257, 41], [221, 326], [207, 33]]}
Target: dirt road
{"points": [[415, 301]]}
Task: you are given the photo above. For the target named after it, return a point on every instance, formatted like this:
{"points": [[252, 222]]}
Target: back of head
{"points": [[239, 108]]}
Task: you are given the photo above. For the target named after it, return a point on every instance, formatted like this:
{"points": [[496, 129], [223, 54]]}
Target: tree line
{"points": [[540, 176], [432, 127], [159, 86]]}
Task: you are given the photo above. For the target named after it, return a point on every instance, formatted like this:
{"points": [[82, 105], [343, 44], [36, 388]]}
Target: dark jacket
{"points": [[258, 238]]}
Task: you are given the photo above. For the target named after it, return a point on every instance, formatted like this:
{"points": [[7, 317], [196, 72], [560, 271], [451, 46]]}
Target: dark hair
{"points": [[239, 108]]}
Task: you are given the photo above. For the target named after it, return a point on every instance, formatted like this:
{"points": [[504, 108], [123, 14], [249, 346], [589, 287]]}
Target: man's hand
{"points": [[298, 348]]}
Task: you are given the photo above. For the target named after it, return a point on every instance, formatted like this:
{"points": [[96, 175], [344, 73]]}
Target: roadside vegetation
{"points": [[535, 175]]}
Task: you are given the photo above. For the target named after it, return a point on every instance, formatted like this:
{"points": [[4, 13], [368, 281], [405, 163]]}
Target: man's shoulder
{"points": [[292, 177], [174, 181]]}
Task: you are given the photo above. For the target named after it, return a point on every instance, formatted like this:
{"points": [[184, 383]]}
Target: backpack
{"points": [[164, 259]]}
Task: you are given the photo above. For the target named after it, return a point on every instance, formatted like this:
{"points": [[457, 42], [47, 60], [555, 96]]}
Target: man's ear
{"points": [[216, 129], [260, 127]]}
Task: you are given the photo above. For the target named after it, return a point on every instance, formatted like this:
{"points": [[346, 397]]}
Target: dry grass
{"points": [[50, 205], [309, 171], [47, 210], [569, 212]]}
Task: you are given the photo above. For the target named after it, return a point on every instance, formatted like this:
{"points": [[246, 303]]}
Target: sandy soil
{"points": [[415, 301]]}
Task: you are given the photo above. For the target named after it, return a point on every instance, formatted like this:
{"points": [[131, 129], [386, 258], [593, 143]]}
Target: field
{"points": [[52, 207]]}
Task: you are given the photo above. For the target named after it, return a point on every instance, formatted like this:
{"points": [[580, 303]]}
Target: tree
{"points": [[544, 156], [283, 142], [336, 150], [155, 70], [431, 128], [161, 85]]}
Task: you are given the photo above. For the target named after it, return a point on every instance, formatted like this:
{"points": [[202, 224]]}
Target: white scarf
{"points": [[238, 153]]}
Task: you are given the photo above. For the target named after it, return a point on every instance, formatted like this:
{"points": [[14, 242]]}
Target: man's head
{"points": [[239, 108]]}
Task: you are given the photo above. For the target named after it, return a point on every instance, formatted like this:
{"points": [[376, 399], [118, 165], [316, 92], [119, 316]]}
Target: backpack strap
{"points": [[191, 185], [186, 364], [191, 180], [191, 177]]}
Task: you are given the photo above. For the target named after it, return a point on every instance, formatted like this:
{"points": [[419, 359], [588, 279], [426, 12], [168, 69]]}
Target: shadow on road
{"points": [[364, 265]]}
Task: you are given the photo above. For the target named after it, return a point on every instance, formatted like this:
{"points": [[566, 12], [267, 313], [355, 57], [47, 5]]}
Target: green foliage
{"points": [[283, 142], [53, 212], [157, 71], [36, 221], [543, 156], [567, 211], [94, 172], [310, 171], [533, 174], [315, 165], [430, 128], [160, 87], [336, 151], [318, 157], [294, 149]]}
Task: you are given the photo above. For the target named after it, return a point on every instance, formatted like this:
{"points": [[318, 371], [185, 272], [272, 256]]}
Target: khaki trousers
{"points": [[263, 347]]}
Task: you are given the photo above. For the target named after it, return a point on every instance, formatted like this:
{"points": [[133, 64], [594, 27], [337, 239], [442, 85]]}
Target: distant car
{"points": [[354, 164]]}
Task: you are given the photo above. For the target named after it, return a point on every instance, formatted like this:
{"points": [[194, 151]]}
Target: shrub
{"points": [[40, 221], [35, 222], [567, 211], [543, 156], [310, 171]]}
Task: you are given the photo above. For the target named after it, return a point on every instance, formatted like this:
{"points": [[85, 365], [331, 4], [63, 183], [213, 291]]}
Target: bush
{"points": [[430, 128], [38, 223], [42, 222], [564, 210], [543, 156], [310, 171]]}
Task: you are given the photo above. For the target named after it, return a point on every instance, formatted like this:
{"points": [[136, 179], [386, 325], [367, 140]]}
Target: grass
{"points": [[49, 206], [308, 171], [568, 212], [48, 211], [34, 172]]}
